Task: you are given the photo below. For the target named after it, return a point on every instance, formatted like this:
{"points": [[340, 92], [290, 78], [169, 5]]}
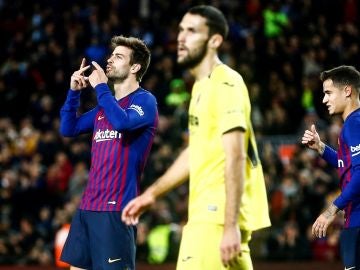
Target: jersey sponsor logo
{"points": [[355, 150], [341, 163], [106, 135], [101, 117], [137, 108], [113, 260]]}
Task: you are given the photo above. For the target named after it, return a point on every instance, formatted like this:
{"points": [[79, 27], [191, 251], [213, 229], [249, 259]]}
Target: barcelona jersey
{"points": [[347, 161], [122, 135]]}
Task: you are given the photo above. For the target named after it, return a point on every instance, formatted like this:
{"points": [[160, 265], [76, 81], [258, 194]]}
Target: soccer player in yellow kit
{"points": [[227, 195]]}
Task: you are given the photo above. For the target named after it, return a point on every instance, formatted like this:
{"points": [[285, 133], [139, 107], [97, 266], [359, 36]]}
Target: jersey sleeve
{"points": [[330, 156], [142, 112], [352, 190], [70, 123], [231, 102]]}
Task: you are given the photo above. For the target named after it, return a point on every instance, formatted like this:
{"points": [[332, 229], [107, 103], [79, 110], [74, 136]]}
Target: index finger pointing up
{"points": [[96, 65]]}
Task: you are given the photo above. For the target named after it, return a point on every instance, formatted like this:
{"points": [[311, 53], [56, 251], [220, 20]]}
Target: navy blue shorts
{"points": [[350, 248], [100, 240]]}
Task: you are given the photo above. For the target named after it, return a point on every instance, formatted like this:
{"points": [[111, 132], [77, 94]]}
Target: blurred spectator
{"points": [[289, 244]]}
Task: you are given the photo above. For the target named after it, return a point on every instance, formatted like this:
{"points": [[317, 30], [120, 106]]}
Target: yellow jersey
{"points": [[218, 104]]}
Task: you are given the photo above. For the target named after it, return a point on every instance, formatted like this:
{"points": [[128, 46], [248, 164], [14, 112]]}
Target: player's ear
{"points": [[135, 68], [215, 41], [348, 90]]}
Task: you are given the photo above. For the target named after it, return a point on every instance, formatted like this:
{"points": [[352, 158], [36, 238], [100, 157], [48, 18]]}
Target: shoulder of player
{"points": [[143, 93], [225, 76], [351, 125]]}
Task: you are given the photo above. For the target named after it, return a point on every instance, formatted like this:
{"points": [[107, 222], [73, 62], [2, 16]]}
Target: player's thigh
{"points": [[112, 243], [200, 248], [350, 247], [76, 250]]}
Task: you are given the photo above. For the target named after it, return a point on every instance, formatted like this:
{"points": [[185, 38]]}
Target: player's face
{"points": [[118, 67], [334, 97], [192, 40]]}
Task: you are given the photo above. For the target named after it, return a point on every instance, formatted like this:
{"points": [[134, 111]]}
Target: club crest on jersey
{"points": [[137, 108], [106, 135]]}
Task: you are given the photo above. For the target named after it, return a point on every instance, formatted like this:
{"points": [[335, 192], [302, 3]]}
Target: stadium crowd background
{"points": [[279, 47]]}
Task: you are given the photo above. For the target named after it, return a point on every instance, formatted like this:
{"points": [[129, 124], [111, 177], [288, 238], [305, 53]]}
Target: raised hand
{"points": [[78, 80], [98, 75], [312, 139]]}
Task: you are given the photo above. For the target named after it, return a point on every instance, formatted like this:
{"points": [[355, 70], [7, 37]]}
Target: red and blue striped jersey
{"points": [[123, 132], [347, 161]]}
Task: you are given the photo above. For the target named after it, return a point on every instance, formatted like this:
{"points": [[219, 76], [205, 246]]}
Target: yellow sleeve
{"points": [[230, 104]]}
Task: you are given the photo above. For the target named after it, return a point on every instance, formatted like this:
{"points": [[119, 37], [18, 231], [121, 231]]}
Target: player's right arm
{"points": [[312, 140], [177, 174], [71, 124]]}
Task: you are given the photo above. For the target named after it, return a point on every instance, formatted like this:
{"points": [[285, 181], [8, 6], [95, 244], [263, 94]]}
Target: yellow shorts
{"points": [[200, 248]]}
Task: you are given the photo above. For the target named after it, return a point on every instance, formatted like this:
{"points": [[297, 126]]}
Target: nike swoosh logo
{"points": [[186, 259], [352, 267], [114, 260], [101, 117], [228, 84]]}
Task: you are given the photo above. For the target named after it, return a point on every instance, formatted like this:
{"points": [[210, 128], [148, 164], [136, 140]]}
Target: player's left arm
{"points": [[235, 159], [141, 112], [351, 191], [232, 103]]}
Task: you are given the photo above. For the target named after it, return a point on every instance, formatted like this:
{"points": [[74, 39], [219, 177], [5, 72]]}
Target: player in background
{"points": [[123, 128], [341, 87], [227, 195]]}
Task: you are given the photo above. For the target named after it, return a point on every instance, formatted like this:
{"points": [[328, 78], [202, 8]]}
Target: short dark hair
{"points": [[140, 52], [215, 19], [342, 76]]}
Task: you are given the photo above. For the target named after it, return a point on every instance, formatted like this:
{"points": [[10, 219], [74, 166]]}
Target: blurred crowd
{"points": [[279, 47]]}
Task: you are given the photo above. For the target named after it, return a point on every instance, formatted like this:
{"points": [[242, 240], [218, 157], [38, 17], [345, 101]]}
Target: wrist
{"points": [[321, 148], [331, 211]]}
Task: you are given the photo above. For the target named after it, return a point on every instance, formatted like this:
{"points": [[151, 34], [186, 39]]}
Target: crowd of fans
{"points": [[279, 47]]}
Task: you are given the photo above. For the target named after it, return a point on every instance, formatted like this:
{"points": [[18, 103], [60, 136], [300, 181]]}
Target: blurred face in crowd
{"points": [[193, 39], [118, 67], [335, 97]]}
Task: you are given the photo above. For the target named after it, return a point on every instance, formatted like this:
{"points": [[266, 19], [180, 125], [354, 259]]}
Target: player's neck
{"points": [[125, 88], [353, 107], [205, 67]]}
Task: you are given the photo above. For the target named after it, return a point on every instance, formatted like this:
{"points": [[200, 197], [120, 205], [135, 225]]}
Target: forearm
{"points": [[234, 186], [235, 159], [331, 211], [177, 174], [321, 148]]}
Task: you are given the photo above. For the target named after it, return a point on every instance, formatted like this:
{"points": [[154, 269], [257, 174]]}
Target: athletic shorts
{"points": [[200, 248], [350, 248], [100, 240]]}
